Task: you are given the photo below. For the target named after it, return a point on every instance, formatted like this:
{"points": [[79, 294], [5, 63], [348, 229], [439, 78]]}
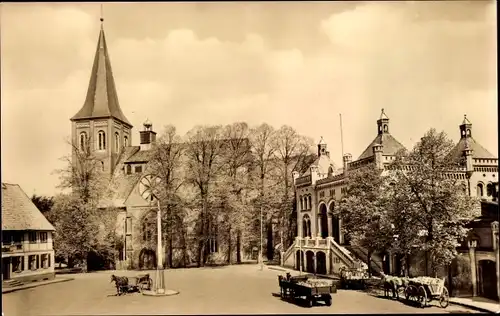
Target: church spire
{"points": [[101, 100]]}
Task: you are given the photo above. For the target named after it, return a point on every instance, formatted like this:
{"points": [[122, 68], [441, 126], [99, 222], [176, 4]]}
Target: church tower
{"points": [[100, 125]]}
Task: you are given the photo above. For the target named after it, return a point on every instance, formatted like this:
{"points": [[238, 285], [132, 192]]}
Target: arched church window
{"points": [[101, 138], [83, 140], [468, 132], [301, 203], [125, 141], [480, 189], [330, 171], [117, 142], [386, 128], [310, 201]]}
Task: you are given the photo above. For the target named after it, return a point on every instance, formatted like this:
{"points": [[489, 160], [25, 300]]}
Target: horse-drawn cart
{"points": [[312, 290], [143, 282], [425, 289]]}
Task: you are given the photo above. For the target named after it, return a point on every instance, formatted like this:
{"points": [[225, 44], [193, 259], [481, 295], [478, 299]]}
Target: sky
{"points": [[301, 64]]}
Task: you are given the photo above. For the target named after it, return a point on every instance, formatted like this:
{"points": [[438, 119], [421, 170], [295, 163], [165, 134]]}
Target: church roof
{"points": [[101, 99], [478, 151], [390, 146], [19, 212]]}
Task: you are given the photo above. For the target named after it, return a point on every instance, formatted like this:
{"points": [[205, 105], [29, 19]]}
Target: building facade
{"points": [[320, 245], [27, 251]]}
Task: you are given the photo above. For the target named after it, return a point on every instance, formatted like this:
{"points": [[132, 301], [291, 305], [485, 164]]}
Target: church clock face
{"points": [[148, 187]]}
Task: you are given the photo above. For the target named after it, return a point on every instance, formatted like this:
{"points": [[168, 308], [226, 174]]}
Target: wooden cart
{"points": [[424, 290], [142, 282], [297, 287]]}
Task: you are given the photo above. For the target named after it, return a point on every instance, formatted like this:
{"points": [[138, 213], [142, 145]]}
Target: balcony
{"points": [[12, 247]]}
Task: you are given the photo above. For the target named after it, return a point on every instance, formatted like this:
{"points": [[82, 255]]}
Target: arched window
{"points": [[468, 132], [306, 226], [386, 128], [83, 141], [117, 142], [310, 201], [125, 141], [330, 171], [102, 165], [101, 138], [489, 189], [301, 203], [480, 189], [129, 169]]}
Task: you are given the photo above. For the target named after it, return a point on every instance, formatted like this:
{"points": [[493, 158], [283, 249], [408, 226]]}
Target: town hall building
{"points": [[320, 246]]}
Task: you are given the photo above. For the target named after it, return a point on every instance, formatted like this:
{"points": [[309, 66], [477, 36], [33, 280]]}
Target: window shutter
{"points": [[37, 258], [49, 261]]}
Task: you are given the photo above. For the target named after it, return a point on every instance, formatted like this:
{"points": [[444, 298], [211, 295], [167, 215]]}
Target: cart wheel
{"points": [[328, 301], [444, 299], [410, 292], [422, 295]]}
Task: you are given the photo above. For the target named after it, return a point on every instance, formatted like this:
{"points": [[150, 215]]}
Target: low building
{"points": [[480, 252], [27, 252]]}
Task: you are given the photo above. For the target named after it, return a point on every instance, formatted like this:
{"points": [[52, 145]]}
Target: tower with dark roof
{"points": [[100, 124]]}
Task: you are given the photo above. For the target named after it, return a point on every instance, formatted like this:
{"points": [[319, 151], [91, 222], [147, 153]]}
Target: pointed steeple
{"points": [[101, 100]]}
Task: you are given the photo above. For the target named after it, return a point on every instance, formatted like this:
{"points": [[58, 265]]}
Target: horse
{"points": [[121, 283], [393, 284]]}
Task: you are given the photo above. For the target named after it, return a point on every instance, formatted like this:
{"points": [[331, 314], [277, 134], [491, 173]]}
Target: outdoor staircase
{"points": [[361, 253], [348, 254], [344, 254], [11, 283]]}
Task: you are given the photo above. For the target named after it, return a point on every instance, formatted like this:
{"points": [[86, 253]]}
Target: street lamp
{"points": [[148, 188]]}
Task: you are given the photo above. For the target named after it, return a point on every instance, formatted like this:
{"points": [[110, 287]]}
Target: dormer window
{"points": [[101, 138]]}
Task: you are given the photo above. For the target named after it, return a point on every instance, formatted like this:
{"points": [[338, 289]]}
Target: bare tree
{"points": [[203, 151], [236, 158], [166, 162], [79, 222], [290, 149], [263, 148]]}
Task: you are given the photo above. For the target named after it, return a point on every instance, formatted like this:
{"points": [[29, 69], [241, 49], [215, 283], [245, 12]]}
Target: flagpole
{"points": [[341, 136]]}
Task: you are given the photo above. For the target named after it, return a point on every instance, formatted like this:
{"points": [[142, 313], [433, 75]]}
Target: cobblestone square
{"points": [[224, 290]]}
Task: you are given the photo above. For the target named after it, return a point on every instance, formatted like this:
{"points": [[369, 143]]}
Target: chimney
{"points": [[347, 158], [147, 136]]}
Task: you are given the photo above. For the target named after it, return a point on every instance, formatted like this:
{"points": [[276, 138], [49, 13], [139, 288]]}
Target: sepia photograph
{"points": [[295, 157]]}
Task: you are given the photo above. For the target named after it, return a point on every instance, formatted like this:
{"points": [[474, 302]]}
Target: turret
{"points": [[378, 150], [322, 148], [466, 128], [468, 153], [383, 124], [148, 136]]}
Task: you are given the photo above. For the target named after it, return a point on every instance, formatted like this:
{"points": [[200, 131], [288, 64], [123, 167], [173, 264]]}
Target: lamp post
{"points": [[261, 253], [148, 190], [494, 229]]}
